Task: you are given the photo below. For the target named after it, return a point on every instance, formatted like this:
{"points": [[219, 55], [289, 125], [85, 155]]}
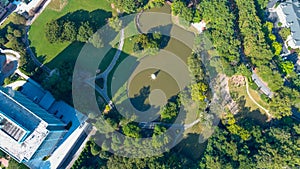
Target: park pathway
{"points": [[31, 53], [104, 75], [254, 101]]}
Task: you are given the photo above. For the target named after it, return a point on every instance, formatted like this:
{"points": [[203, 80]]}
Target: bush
{"points": [[253, 86], [279, 24], [265, 98]]}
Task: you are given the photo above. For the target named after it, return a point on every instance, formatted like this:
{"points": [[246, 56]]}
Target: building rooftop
{"points": [[14, 130], [22, 132], [263, 87], [291, 8]]}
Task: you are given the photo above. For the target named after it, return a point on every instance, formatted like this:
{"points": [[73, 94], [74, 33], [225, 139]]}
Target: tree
{"points": [[169, 112], [53, 32], [286, 67], [131, 130], [277, 47], [17, 33], [69, 31], [128, 6], [180, 8], [85, 31], [198, 91], [284, 33], [115, 23], [280, 106], [95, 149], [243, 70], [96, 40]]}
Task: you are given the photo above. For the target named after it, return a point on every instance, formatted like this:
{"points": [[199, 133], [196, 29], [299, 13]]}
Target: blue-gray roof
{"points": [[19, 98], [291, 9], [263, 87]]}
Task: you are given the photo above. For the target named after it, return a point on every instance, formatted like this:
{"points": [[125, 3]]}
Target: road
{"points": [[78, 148]]}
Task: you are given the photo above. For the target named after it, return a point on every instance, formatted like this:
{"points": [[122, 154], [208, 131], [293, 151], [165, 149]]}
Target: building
{"points": [[289, 16], [6, 8], [261, 85], [24, 131], [35, 129]]}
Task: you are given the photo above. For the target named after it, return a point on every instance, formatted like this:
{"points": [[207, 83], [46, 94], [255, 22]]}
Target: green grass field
{"points": [[46, 51]]}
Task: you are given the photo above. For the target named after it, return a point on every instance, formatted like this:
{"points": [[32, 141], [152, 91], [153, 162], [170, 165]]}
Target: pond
{"points": [[131, 78]]}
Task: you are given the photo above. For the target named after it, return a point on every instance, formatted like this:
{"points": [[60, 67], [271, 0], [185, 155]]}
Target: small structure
{"points": [[261, 85], [201, 26], [289, 16]]}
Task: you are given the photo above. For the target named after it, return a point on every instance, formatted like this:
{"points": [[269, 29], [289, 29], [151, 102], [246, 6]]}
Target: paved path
{"points": [[151, 125], [137, 22], [104, 75], [80, 145], [248, 93], [31, 53]]}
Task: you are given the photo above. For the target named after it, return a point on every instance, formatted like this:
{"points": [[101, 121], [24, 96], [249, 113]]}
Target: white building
{"points": [[289, 15]]}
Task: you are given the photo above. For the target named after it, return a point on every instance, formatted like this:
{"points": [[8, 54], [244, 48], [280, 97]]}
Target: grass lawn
{"points": [[47, 51], [258, 99], [243, 93], [254, 112]]}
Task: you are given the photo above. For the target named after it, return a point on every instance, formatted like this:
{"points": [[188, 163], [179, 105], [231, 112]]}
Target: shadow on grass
{"points": [[69, 54]]}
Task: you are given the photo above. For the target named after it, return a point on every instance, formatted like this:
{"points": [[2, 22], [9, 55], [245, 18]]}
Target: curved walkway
{"points": [[261, 107], [137, 22], [104, 75], [31, 53]]}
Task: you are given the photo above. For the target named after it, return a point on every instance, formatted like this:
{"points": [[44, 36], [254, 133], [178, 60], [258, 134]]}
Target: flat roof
{"points": [[11, 128], [20, 125]]}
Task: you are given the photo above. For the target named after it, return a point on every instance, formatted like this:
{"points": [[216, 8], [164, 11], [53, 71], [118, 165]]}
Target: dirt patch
{"points": [[237, 81], [58, 5]]}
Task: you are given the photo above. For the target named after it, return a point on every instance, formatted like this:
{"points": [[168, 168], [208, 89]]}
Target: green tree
{"points": [[169, 112], [53, 32], [115, 23], [95, 149], [85, 31], [280, 106], [277, 47], [69, 31], [284, 33], [131, 130], [287, 67], [96, 40], [198, 91], [17, 33]]}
